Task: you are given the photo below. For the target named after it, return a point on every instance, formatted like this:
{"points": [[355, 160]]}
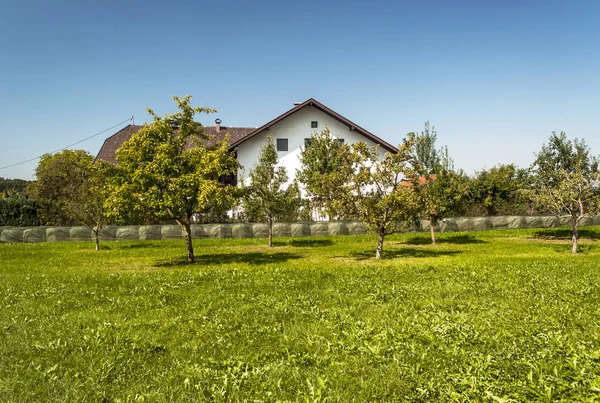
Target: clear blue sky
{"points": [[494, 77]]}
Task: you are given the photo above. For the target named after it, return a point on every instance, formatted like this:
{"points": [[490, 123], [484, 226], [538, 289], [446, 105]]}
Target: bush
{"points": [[19, 211]]}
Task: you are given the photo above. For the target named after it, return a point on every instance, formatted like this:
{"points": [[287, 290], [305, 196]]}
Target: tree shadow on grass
{"points": [[140, 246], [404, 252], [251, 258], [306, 243], [462, 239], [564, 234]]}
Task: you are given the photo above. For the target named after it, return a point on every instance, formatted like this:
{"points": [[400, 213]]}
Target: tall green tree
{"points": [[428, 157], [9, 187], [324, 165], [76, 186], [55, 174], [166, 170], [266, 197], [498, 191], [566, 181], [440, 188], [383, 189]]}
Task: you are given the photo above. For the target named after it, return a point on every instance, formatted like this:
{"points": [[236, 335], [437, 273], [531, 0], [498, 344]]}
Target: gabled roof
{"points": [[311, 102], [108, 151], [237, 135]]}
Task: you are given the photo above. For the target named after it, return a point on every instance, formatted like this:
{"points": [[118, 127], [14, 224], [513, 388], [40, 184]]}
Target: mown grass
{"points": [[483, 316]]}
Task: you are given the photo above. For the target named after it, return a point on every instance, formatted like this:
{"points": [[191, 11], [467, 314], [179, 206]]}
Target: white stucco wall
{"points": [[295, 128]]}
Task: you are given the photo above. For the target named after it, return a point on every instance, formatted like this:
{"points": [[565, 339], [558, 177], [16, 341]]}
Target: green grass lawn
{"points": [[482, 316]]}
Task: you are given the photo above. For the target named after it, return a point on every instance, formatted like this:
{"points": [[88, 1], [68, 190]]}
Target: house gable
{"points": [[295, 129], [295, 126], [313, 103]]}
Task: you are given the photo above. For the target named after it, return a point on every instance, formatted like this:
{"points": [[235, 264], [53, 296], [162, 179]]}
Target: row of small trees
{"points": [[166, 172], [493, 191], [420, 181]]}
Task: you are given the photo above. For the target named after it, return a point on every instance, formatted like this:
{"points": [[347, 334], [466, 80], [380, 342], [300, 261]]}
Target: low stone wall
{"points": [[242, 230]]}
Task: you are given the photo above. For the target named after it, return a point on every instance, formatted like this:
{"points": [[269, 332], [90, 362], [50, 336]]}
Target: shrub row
{"points": [[157, 232]]}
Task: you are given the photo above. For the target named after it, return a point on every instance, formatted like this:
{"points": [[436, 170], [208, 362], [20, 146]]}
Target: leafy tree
{"points": [[566, 181], [383, 189], [17, 210], [10, 187], [439, 187], [266, 197], [55, 176], [497, 191], [324, 165], [425, 152], [166, 171], [76, 185]]}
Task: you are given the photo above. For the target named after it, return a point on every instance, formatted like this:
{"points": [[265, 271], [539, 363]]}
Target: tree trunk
{"points": [[187, 234], [270, 224], [432, 230], [97, 239], [379, 246], [575, 236]]}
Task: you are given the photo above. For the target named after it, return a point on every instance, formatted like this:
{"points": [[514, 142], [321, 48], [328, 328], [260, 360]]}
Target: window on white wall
{"points": [[314, 124], [341, 141], [307, 142], [282, 144]]}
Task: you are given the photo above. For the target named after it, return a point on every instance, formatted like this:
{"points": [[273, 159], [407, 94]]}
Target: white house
{"points": [[289, 131]]}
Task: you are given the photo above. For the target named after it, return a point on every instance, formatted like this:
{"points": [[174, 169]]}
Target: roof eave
{"points": [[313, 102]]}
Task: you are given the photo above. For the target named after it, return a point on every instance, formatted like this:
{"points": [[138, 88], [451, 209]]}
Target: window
{"points": [[341, 141], [314, 124], [307, 142], [282, 144], [228, 179]]}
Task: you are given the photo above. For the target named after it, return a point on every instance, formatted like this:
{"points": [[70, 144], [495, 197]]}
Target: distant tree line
{"points": [[158, 178]]}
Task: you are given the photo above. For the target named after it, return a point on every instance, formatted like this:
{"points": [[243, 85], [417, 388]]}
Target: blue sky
{"points": [[494, 77]]}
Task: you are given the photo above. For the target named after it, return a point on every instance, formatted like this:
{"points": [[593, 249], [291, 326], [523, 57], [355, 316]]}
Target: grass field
{"points": [[482, 316]]}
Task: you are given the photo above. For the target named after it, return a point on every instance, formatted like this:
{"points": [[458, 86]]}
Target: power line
{"points": [[70, 145]]}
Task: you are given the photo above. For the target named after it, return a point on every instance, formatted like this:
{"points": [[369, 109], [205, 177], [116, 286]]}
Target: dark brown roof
{"points": [[108, 151], [311, 102]]}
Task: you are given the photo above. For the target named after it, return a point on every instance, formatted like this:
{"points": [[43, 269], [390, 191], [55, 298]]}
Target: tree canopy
{"points": [[324, 165], [267, 197], [383, 189], [440, 188], [167, 171], [75, 188], [566, 181]]}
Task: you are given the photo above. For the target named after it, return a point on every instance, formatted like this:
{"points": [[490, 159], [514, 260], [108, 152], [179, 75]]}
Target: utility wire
{"points": [[70, 145]]}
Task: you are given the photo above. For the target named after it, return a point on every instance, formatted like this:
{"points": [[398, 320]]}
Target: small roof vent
{"points": [[297, 103]]}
